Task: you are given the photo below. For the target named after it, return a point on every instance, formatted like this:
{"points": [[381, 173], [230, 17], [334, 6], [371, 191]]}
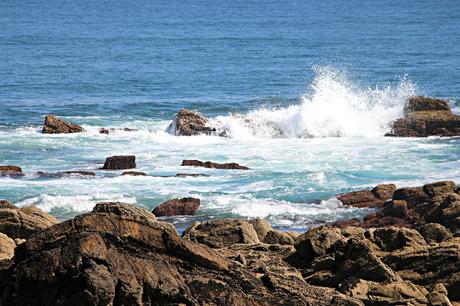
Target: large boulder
{"points": [[208, 164], [7, 204], [222, 232], [120, 162], [189, 123], [7, 246], [55, 125], [119, 255], [174, 207], [12, 171], [368, 198], [426, 117], [25, 221]]}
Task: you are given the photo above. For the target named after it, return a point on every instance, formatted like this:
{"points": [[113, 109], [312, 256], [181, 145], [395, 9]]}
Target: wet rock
{"points": [[25, 221], [208, 164], [191, 175], [426, 117], [222, 232], [104, 131], [55, 125], [7, 246], [384, 191], [120, 162], [412, 195], [12, 171], [134, 173], [6, 204], [65, 173], [108, 131], [189, 123], [434, 232], [395, 208], [174, 207], [368, 198]]}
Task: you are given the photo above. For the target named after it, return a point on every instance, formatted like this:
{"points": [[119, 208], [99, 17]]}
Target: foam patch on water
{"points": [[336, 107], [74, 203]]}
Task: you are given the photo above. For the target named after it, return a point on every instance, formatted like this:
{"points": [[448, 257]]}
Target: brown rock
{"points": [[317, 241], [184, 206], [384, 191], [438, 188], [12, 171], [134, 173], [191, 174], [7, 246], [120, 162], [362, 198], [395, 208], [222, 232], [420, 103], [208, 164], [25, 221], [189, 123], [434, 232], [261, 226], [54, 125], [412, 195]]}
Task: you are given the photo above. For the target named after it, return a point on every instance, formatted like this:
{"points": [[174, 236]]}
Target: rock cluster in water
{"points": [[55, 125], [189, 123], [208, 164], [426, 117], [120, 254]]}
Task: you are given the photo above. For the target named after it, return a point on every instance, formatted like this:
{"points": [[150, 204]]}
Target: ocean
{"points": [[320, 81]]}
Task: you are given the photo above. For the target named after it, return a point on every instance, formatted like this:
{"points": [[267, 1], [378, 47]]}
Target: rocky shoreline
{"points": [[405, 253]]}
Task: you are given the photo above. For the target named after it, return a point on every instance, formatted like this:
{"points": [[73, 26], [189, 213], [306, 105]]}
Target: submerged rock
{"points": [[426, 117], [184, 206], [134, 173], [208, 164], [55, 125], [120, 162], [65, 173], [189, 123], [12, 171]]}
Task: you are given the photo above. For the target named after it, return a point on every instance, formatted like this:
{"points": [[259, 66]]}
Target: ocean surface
{"points": [[320, 82]]}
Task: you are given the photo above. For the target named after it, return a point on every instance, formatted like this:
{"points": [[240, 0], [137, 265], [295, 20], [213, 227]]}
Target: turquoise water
{"points": [[307, 91]]}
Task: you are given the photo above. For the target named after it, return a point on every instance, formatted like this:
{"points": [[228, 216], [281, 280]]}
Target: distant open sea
{"points": [[331, 74]]}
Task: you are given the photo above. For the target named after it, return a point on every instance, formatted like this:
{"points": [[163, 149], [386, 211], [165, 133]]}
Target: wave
{"points": [[336, 107]]}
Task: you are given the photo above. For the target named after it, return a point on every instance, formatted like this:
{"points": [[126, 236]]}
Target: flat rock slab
{"points": [[208, 164]]}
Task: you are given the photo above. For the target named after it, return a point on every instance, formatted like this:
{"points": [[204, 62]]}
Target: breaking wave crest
{"points": [[335, 107]]}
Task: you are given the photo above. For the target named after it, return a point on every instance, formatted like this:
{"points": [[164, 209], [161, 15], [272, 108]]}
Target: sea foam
{"points": [[334, 107]]}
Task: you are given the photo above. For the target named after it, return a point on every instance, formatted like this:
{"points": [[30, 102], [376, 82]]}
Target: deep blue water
{"points": [[135, 63]]}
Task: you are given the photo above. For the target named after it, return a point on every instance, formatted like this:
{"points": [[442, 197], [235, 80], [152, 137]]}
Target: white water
{"points": [[336, 107]]}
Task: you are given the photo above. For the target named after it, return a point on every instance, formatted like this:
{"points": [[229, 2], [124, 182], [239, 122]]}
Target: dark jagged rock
{"points": [[191, 175], [25, 221], [368, 198], [426, 117], [6, 204], [208, 164], [120, 255], [189, 123], [134, 173], [120, 162], [12, 171], [55, 125], [174, 207], [108, 131]]}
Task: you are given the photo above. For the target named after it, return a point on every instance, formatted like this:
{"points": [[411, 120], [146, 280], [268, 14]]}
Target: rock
{"points": [[54, 125], [65, 173], [395, 208], [174, 207], [426, 117], [384, 191], [25, 221], [278, 237], [412, 195], [438, 296], [189, 123], [120, 162], [438, 188], [261, 226], [221, 233], [317, 241], [362, 198], [12, 171], [208, 164], [7, 246], [134, 173], [392, 238], [6, 204], [434, 232], [118, 255], [109, 131], [191, 175], [104, 131]]}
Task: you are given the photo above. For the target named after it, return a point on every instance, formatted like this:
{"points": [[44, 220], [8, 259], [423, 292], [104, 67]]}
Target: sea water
{"points": [[305, 91]]}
